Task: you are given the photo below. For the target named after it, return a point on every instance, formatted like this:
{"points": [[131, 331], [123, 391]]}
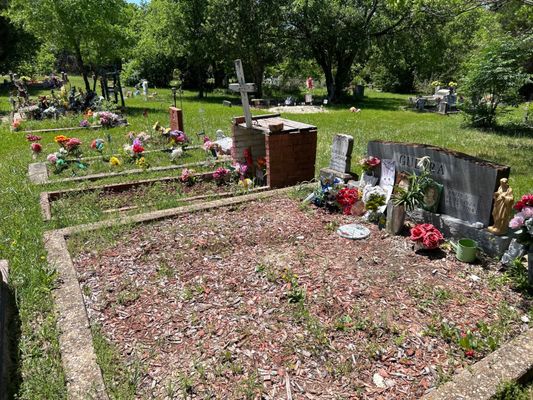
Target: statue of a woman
{"points": [[503, 206]]}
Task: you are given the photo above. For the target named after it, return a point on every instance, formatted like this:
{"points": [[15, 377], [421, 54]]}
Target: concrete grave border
{"points": [[513, 361], [83, 375], [47, 198], [38, 172]]}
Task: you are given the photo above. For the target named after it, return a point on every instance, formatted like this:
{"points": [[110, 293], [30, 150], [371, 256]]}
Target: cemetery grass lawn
{"points": [[230, 300], [40, 373]]}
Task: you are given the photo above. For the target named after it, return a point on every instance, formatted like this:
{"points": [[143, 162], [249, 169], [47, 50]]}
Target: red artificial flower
{"points": [[525, 201], [33, 138], [373, 161], [432, 240], [36, 147], [470, 353], [137, 148], [417, 233]]}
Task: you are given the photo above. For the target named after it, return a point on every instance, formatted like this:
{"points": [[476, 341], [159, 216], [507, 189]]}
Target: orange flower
{"points": [[61, 139], [88, 113]]}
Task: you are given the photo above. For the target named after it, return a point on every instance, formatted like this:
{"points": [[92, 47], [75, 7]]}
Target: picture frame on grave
{"points": [[432, 196]]}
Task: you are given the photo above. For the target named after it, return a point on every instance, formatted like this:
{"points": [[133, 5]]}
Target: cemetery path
{"points": [[265, 299]]}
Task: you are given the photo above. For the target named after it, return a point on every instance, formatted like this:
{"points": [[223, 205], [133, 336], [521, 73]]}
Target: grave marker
{"points": [[176, 119], [469, 182], [244, 88], [341, 158]]}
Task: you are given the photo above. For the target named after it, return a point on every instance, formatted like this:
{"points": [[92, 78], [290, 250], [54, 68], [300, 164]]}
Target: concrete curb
{"points": [[83, 375], [511, 362]]}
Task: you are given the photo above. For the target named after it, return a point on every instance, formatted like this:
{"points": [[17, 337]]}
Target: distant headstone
{"points": [[176, 119], [225, 143], [469, 182], [226, 103], [308, 98]]}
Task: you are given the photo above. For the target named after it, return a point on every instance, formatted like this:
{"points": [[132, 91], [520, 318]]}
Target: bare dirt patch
{"points": [[264, 299]]}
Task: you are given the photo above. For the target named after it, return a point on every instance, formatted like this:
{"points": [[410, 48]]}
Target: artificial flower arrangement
{"points": [[35, 147], [98, 145], [84, 123], [369, 164], [426, 236], [334, 196], [187, 177], [108, 119], [16, 124], [115, 161], [261, 170], [210, 147], [68, 147], [221, 175], [142, 163], [522, 221], [134, 151], [346, 198]]}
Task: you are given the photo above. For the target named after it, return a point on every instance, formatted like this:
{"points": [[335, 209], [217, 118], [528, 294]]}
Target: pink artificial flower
{"points": [[517, 221], [72, 143], [527, 212], [51, 158]]}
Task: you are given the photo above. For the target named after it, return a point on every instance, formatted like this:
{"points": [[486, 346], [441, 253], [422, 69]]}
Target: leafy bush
{"points": [[494, 76]]}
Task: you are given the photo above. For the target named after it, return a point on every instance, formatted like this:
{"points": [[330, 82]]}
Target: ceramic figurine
{"points": [[503, 206]]}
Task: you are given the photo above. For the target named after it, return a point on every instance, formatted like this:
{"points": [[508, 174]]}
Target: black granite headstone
{"points": [[469, 182]]}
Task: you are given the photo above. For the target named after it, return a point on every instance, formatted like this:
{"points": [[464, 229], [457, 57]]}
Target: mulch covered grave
{"points": [[265, 299], [142, 195]]}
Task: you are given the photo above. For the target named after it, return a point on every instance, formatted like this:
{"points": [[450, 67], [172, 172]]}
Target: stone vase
{"points": [[395, 218]]}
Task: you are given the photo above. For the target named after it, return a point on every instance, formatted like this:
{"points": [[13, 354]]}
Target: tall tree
{"points": [[178, 31], [89, 29], [338, 33], [252, 30]]}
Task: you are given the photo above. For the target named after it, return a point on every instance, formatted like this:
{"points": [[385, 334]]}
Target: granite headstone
{"points": [[469, 182]]}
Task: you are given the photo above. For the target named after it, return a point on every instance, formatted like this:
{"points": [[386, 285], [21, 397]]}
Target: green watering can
{"points": [[465, 250]]}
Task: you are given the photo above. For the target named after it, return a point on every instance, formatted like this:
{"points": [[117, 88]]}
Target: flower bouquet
{"points": [[187, 177], [426, 236], [522, 222], [221, 175], [369, 164], [347, 197]]}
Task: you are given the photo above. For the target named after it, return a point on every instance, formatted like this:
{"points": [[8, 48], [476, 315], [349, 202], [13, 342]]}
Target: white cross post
{"points": [[244, 88]]}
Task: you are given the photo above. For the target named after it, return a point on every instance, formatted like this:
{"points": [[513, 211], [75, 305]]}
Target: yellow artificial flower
{"points": [[114, 161]]}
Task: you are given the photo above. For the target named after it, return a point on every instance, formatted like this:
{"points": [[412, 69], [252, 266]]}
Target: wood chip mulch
{"points": [[265, 300]]}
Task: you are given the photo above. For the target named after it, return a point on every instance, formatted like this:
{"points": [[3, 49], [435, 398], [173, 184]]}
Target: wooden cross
{"points": [[244, 88]]}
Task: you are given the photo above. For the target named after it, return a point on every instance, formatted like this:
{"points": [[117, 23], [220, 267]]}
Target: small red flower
{"points": [[137, 148], [36, 147], [470, 353]]}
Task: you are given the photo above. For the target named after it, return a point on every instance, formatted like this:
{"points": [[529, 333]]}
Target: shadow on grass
{"points": [[11, 362], [381, 103]]}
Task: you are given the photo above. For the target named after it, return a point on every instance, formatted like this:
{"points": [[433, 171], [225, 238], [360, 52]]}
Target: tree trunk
{"points": [[342, 77], [258, 71], [81, 65], [330, 82]]}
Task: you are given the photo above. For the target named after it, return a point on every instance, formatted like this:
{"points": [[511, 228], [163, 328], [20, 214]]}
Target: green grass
{"points": [[21, 228]]}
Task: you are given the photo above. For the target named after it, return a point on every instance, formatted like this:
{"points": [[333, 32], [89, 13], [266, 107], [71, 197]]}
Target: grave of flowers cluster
{"points": [[445, 193]]}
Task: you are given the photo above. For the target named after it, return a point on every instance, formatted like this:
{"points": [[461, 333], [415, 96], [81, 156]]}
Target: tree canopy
{"points": [[398, 45]]}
